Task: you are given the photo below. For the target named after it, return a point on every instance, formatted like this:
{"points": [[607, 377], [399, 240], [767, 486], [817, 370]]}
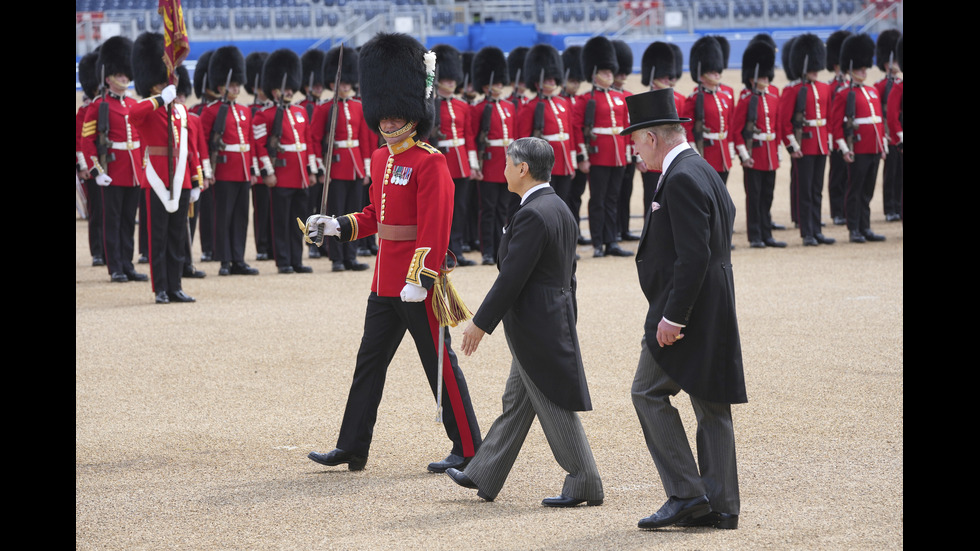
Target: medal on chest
{"points": [[400, 175]]}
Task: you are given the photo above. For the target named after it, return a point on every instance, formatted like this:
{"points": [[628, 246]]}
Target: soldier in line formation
{"points": [[274, 153]]}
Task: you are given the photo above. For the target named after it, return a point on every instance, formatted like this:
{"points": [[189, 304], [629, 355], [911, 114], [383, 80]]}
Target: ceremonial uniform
{"points": [[93, 194], [718, 108], [204, 210], [572, 61], [837, 168], [624, 56], [896, 120], [892, 176], [261, 216]]}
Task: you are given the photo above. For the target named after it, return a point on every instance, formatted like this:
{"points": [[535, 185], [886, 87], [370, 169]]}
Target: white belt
{"points": [[610, 130], [715, 135], [236, 146], [455, 142], [868, 120], [764, 137], [293, 147], [815, 122], [555, 137], [126, 146], [499, 143], [347, 144]]}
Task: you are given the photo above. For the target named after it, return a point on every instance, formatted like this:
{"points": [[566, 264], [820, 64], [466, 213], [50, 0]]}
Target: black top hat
{"points": [[652, 108]]}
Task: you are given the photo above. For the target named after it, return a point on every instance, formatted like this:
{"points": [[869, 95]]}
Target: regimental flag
{"points": [[176, 45]]}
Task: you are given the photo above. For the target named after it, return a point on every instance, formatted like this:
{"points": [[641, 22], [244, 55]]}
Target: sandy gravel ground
{"points": [[193, 421]]}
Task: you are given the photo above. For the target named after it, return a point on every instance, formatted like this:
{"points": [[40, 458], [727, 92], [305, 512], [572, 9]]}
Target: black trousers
{"points": [[385, 323], [837, 183], [167, 233], [230, 220], [808, 172], [119, 206], [288, 204], [563, 187], [794, 192], [494, 202], [625, 193], [343, 196], [604, 185], [861, 177], [759, 188], [579, 182], [261, 219], [461, 201], [93, 198], [892, 182], [206, 218]]}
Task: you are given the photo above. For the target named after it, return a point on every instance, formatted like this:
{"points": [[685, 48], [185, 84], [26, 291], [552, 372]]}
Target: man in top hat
{"points": [[282, 137], [571, 60], [691, 339], [603, 149], [228, 125], [892, 178], [261, 217], [534, 296], [495, 126], [549, 116], [754, 132], [170, 154], [709, 108], [803, 111], [89, 81], [657, 73], [624, 57], [896, 119], [353, 144], [118, 170], [837, 170], [411, 211], [858, 129], [456, 138]]}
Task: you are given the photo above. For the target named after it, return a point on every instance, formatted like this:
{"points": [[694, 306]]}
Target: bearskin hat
{"points": [[542, 57], [394, 81], [726, 48], [449, 63], [834, 42], [624, 57], [885, 47], [809, 49], [115, 57], [900, 53], [489, 62], [678, 60], [764, 37], [706, 54], [311, 63], [658, 59], [786, 56], [149, 69], [598, 54], [201, 73], [87, 77], [184, 83], [571, 59], [467, 65], [223, 60], [282, 62], [857, 52], [253, 71], [348, 73], [758, 54], [515, 63]]}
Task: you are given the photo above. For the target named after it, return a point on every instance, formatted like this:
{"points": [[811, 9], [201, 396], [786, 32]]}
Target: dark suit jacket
{"points": [[684, 263], [534, 295]]}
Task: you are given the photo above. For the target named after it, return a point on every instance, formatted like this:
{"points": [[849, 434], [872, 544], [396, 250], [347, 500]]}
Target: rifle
{"points": [[310, 101], [102, 128], [653, 71], [483, 139], [589, 122], [539, 109], [698, 130], [799, 112], [272, 144], [888, 89], [514, 97], [752, 117], [850, 110], [215, 142], [436, 135]]}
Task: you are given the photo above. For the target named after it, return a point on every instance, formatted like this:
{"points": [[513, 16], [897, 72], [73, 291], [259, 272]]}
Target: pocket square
{"points": [[654, 206]]}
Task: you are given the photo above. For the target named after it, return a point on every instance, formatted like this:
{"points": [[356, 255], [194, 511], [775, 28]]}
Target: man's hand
{"points": [[270, 180], [472, 336], [413, 293], [320, 225], [168, 94], [103, 179], [668, 333], [583, 166], [195, 194]]}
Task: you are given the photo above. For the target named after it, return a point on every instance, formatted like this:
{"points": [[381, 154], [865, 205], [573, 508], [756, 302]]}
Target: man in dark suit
{"points": [[534, 295], [685, 270]]}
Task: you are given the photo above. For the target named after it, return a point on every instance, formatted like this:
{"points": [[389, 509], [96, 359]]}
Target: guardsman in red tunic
{"points": [[411, 212], [453, 134], [166, 199], [121, 175], [549, 116], [353, 144], [658, 67], [228, 127], [892, 180], [755, 134], [204, 209], [89, 81], [896, 120], [196, 133], [495, 126], [624, 56], [837, 168], [311, 64], [710, 108], [261, 216], [571, 59], [859, 132], [282, 136], [597, 121], [515, 65]]}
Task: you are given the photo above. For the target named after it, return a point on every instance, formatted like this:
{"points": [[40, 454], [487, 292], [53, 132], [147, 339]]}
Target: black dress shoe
{"points": [[162, 298], [452, 461], [677, 510], [337, 267], [810, 242], [584, 241], [459, 477], [118, 277], [627, 236], [286, 270], [225, 269], [714, 519], [136, 276], [314, 252], [355, 266], [777, 227], [893, 217], [824, 240], [261, 256], [856, 237], [562, 501], [193, 273], [179, 296], [207, 257], [756, 245], [598, 253], [241, 268], [465, 247], [773, 243], [339, 457], [839, 220], [301, 269], [872, 236], [461, 261], [614, 250], [143, 259], [488, 260], [363, 251], [98, 261]]}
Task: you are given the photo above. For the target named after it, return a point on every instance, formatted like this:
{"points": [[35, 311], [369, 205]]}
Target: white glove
{"points": [[168, 94], [103, 179], [413, 293], [319, 224], [195, 194]]}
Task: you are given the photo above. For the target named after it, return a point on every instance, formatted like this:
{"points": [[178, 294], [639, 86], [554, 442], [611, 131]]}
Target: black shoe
{"points": [[839, 220], [872, 236], [143, 259], [614, 250], [461, 261], [363, 251], [677, 510], [193, 273], [598, 253], [225, 269], [584, 241], [773, 243], [355, 266], [459, 477], [207, 257], [286, 270], [136, 276], [777, 227], [261, 256], [562, 501], [314, 252], [893, 217], [241, 268], [488, 260], [465, 247], [301, 269], [337, 267], [98, 261], [373, 249], [824, 240], [452, 461], [339, 457], [118, 277], [810, 242], [180, 296], [714, 519], [756, 245], [627, 236], [856, 237], [162, 298]]}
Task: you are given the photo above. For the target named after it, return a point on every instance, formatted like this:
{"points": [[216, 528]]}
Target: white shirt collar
{"points": [[532, 190], [672, 154]]}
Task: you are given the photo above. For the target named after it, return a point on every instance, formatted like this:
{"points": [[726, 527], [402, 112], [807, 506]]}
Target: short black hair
{"points": [[537, 153]]}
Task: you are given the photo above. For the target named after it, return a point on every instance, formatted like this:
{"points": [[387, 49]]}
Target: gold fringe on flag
{"points": [[447, 305]]}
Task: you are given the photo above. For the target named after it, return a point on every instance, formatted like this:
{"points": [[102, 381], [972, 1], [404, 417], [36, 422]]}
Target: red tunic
{"points": [[125, 151], [458, 140], [765, 140], [150, 117], [895, 108], [815, 118], [503, 130], [611, 116], [295, 158], [353, 139], [718, 108], [557, 130], [869, 130], [234, 163]]}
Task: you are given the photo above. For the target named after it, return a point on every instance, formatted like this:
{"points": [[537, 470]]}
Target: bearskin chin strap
{"points": [[447, 305], [399, 132]]}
